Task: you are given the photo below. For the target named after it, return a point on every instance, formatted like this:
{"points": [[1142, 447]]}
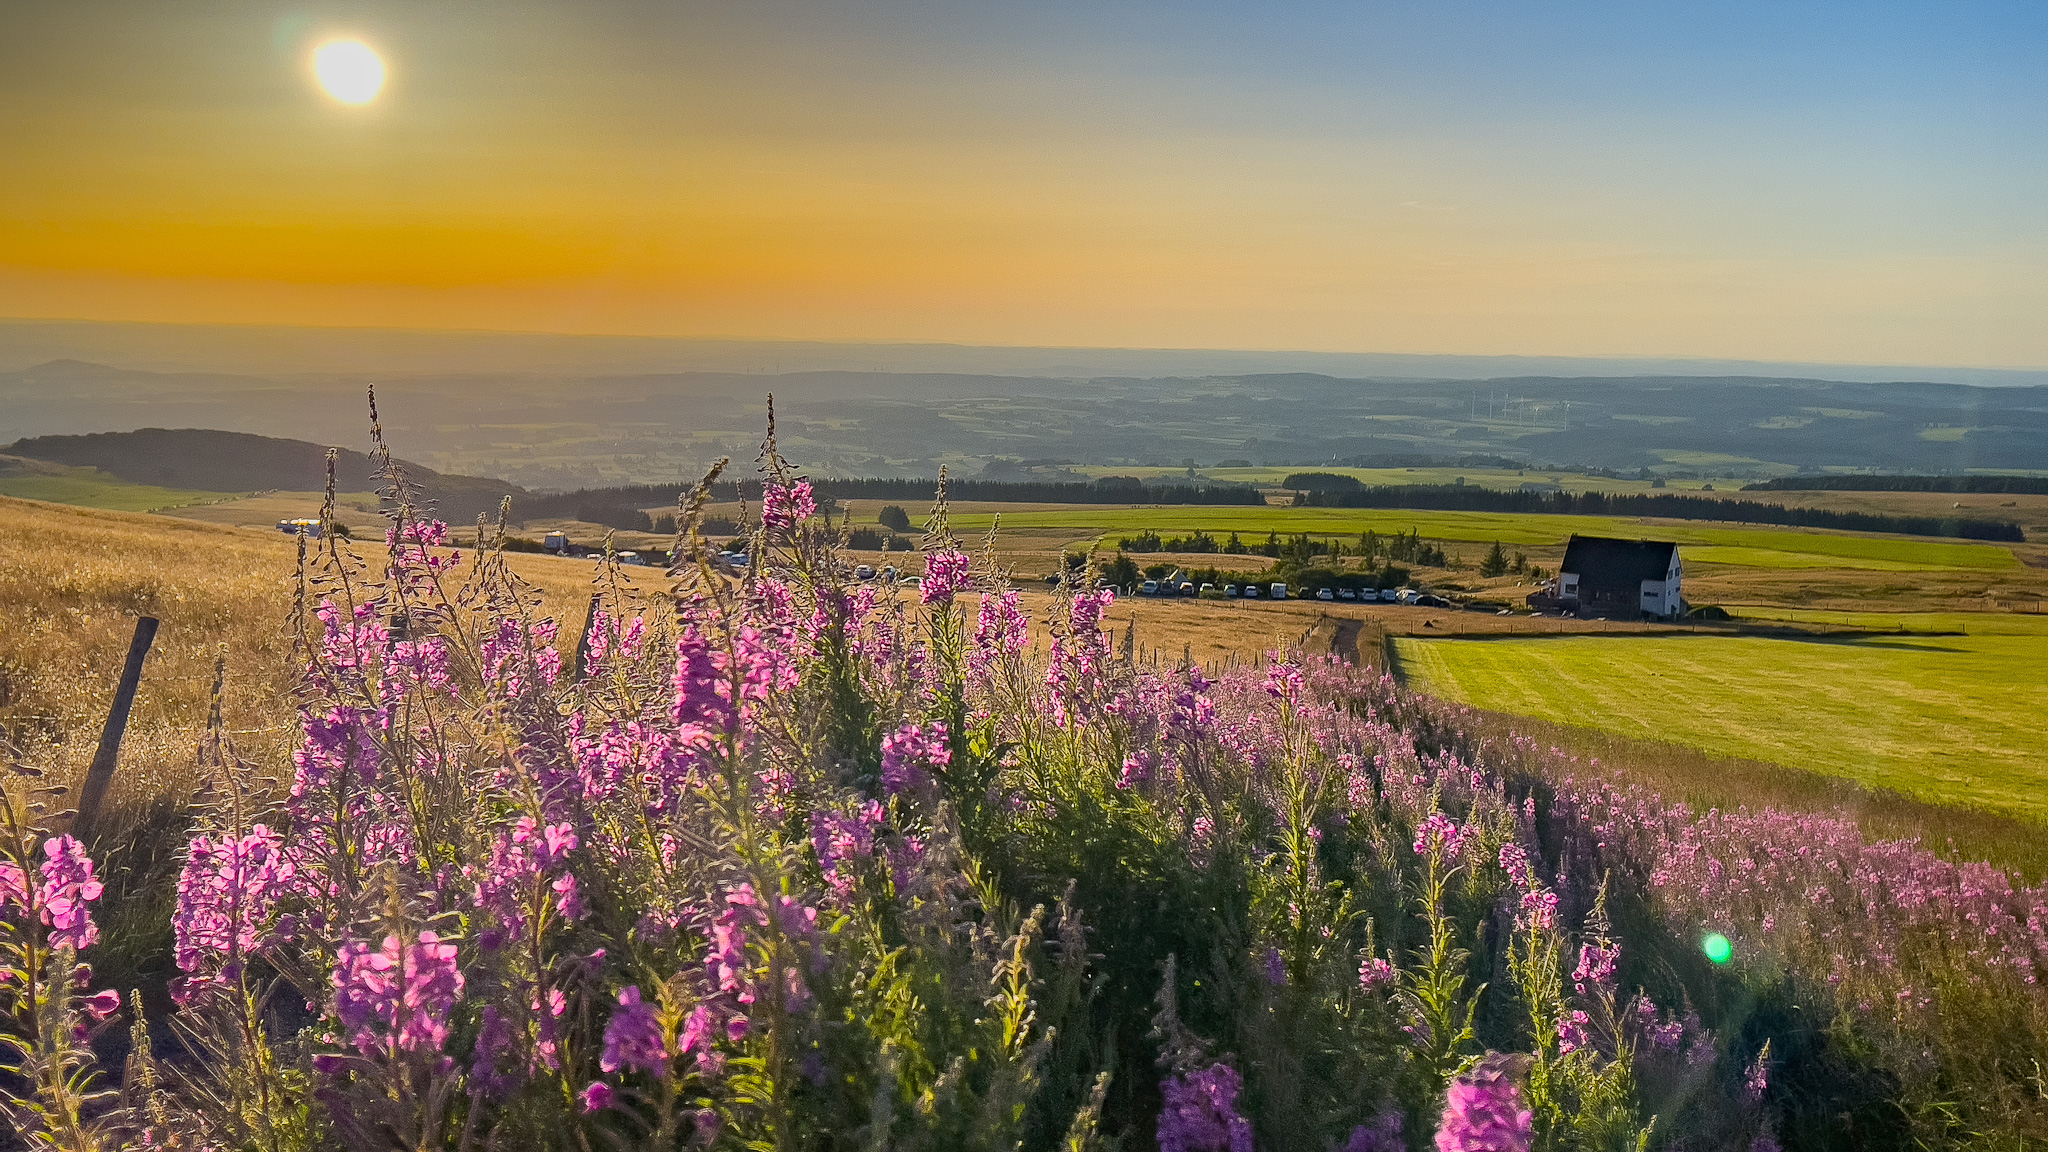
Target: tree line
{"points": [[1472, 498], [2024, 485], [618, 507]]}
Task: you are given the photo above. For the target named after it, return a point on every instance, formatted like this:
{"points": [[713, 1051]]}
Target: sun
{"points": [[350, 70]]}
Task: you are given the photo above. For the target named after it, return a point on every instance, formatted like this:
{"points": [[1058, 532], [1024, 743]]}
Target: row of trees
{"points": [[1300, 548], [1473, 498]]}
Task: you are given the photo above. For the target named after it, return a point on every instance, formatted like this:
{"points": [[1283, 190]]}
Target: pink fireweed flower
{"points": [[783, 507], [1201, 1115], [1596, 965], [909, 750], [409, 990], [946, 575], [1376, 974], [1000, 630], [226, 894], [1574, 1031], [1284, 682], [67, 887], [598, 1097], [1483, 1112], [633, 1037], [1515, 862], [1440, 835], [102, 1004]]}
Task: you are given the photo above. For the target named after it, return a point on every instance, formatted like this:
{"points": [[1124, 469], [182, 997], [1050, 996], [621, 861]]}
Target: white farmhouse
{"points": [[1621, 577]]}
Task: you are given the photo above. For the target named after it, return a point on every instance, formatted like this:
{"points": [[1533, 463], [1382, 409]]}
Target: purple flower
{"points": [[67, 887], [785, 507], [1757, 1079], [1276, 968], [633, 1037], [1200, 1114], [1596, 965], [946, 574], [911, 749], [408, 990], [1375, 974], [225, 894], [103, 1003], [1439, 835], [1382, 1135], [598, 1097], [1483, 1113], [1574, 1031]]}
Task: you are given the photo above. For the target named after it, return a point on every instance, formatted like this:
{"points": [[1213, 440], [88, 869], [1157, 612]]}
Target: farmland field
{"points": [[1758, 546], [91, 488], [1947, 718]]}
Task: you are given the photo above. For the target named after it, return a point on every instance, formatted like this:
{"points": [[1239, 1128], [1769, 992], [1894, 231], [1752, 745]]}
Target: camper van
{"points": [[1279, 590]]}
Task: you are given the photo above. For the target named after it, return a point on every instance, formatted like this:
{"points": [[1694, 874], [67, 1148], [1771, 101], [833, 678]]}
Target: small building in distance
{"points": [[1606, 577]]}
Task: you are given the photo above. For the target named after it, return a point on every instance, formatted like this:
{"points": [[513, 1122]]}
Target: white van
{"points": [[1279, 591]]}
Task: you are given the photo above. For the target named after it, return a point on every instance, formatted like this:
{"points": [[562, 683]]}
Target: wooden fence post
{"points": [[101, 774], [583, 642]]}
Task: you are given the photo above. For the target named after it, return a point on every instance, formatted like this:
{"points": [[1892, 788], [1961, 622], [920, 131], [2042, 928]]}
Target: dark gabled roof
{"points": [[1598, 560]]}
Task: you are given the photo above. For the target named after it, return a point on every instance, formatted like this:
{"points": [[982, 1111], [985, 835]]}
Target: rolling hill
{"points": [[200, 462]]}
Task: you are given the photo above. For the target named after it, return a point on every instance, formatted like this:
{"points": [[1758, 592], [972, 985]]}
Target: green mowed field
{"points": [[1950, 719], [1750, 546], [91, 488]]}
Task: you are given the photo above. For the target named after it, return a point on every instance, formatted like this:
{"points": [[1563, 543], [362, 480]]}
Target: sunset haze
{"points": [[1860, 183]]}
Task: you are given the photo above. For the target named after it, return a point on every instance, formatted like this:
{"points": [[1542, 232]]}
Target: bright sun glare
{"points": [[350, 70]]}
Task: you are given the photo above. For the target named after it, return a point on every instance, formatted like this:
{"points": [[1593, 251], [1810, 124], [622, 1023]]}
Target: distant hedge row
{"points": [[1471, 498], [2025, 485], [612, 502]]}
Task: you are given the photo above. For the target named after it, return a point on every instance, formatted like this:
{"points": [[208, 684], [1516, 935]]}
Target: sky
{"points": [[1858, 182]]}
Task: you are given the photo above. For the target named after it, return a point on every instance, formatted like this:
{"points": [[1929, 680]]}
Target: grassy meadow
{"points": [[1954, 719], [92, 488], [1750, 546]]}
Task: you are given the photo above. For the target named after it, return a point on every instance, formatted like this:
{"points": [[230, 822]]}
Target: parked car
{"points": [[1206, 588], [1251, 591], [1230, 590], [1187, 588], [1279, 590], [1149, 588], [864, 572], [1405, 596], [1347, 593], [633, 558], [1425, 600], [1325, 594]]}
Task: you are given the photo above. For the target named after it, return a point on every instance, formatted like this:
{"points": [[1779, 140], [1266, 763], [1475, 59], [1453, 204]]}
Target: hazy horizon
{"points": [[268, 349]]}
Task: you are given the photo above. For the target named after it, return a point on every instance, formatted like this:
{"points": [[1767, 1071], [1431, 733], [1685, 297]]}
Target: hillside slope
{"points": [[207, 460]]}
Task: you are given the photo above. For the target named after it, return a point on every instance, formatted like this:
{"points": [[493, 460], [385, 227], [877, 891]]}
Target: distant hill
{"points": [[207, 460]]}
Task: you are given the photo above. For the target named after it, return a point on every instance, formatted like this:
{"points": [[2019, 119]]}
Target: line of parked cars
{"points": [[1279, 591]]}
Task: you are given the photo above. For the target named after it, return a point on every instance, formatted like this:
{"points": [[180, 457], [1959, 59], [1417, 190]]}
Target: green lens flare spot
{"points": [[1717, 948]]}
